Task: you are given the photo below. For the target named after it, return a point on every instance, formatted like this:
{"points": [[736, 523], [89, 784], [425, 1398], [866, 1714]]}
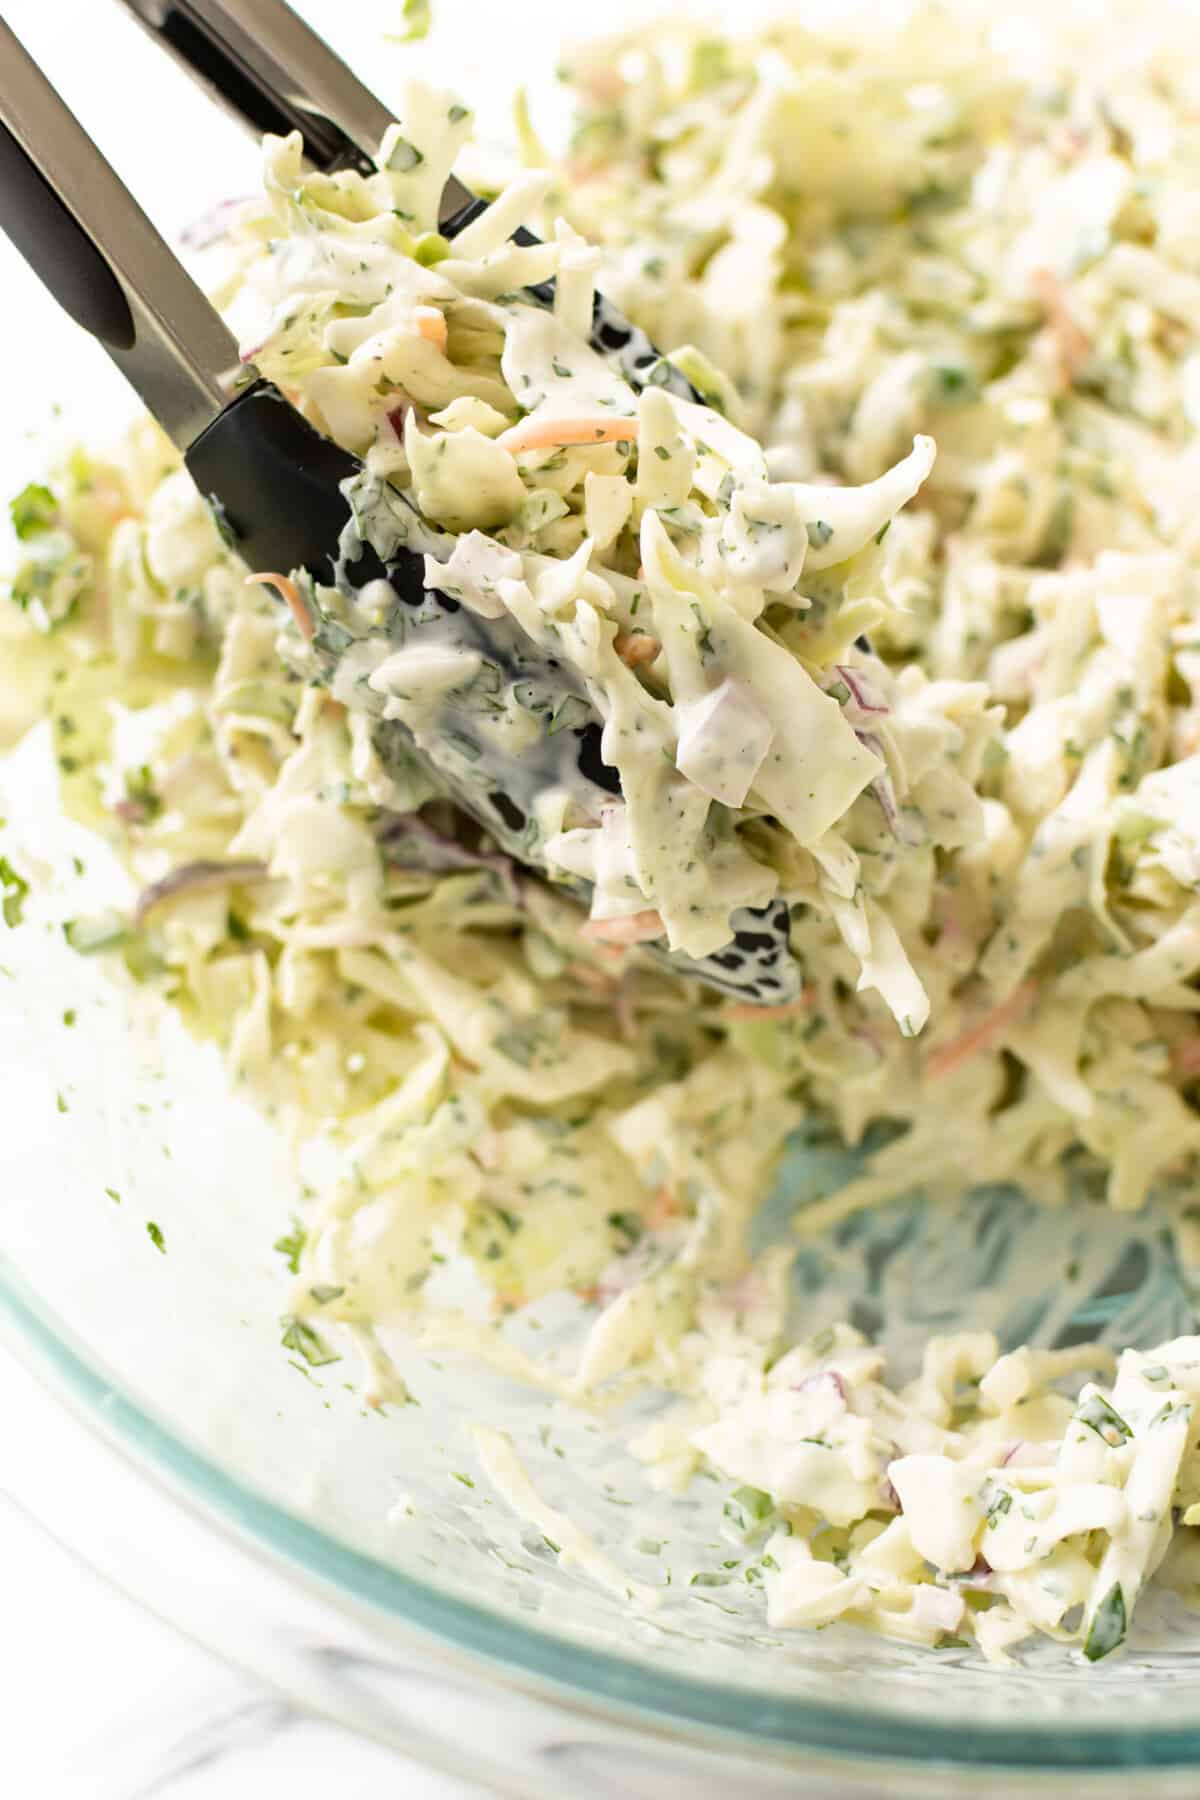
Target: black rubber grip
{"points": [[57, 248], [274, 482]]}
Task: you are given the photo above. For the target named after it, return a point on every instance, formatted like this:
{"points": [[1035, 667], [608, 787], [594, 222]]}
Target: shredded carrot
{"points": [[287, 590], [544, 434], [639, 928], [431, 324], [666, 1206], [604, 86], [746, 1009], [636, 647], [594, 980], [1185, 1056], [982, 1036], [1071, 341]]}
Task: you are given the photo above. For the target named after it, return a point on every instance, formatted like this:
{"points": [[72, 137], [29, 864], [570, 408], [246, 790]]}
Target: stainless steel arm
{"points": [[78, 226], [272, 71]]}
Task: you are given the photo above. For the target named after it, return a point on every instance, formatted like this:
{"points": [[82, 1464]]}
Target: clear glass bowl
{"points": [[176, 1358]]}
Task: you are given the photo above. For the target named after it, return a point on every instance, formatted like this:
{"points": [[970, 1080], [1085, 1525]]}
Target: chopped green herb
{"points": [[457, 113], [1107, 1629], [154, 1233], [1098, 1415], [418, 18], [819, 532], [113, 1195], [953, 384], [323, 1294], [61, 1102], [521, 1044], [704, 642], [465, 1479], [69, 1016], [661, 451], [14, 888], [628, 1225], [292, 1245], [306, 1342], [33, 510], [999, 1504], [747, 1508], [141, 795]]}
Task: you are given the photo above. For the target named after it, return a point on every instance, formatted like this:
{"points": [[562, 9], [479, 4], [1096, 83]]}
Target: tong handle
{"points": [[80, 229], [274, 73]]}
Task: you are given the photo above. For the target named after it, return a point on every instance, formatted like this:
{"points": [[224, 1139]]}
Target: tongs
{"points": [[275, 483]]}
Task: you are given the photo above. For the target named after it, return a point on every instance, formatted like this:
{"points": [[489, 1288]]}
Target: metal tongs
{"points": [[274, 480]]}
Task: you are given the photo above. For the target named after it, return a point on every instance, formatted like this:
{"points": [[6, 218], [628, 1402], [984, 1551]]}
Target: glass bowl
{"points": [[360, 1573]]}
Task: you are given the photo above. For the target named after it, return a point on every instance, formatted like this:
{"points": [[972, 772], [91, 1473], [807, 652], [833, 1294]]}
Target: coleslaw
{"points": [[972, 851]]}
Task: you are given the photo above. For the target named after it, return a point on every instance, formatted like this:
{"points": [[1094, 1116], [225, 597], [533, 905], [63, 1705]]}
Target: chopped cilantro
{"points": [[154, 1233]]}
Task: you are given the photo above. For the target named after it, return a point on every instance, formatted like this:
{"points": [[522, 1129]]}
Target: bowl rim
{"points": [[629, 1692]]}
